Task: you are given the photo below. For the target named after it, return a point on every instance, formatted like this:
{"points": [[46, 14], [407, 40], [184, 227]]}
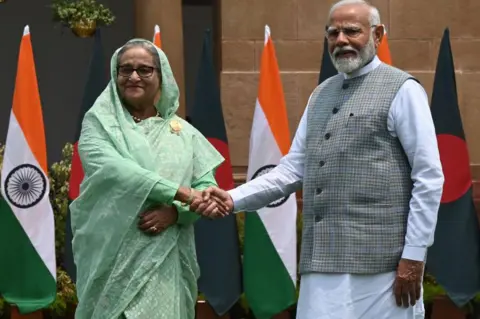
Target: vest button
{"points": [[318, 218], [327, 136], [322, 163], [318, 191], [335, 110]]}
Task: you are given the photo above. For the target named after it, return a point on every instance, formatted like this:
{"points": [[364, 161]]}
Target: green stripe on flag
{"points": [[269, 289], [25, 281]]}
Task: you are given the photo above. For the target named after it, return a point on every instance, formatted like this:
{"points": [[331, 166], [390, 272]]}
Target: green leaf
{"points": [[71, 12]]}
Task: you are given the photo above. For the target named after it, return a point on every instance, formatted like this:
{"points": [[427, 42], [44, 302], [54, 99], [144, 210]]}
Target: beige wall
{"points": [[414, 28]]}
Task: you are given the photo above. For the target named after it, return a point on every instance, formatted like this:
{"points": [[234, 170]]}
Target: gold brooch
{"points": [[175, 127]]}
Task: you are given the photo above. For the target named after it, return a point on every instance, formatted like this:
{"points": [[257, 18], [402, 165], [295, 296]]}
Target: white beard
{"points": [[351, 64]]}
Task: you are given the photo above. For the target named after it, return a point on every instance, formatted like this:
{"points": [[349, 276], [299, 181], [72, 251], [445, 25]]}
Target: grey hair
{"points": [[374, 18], [142, 44]]}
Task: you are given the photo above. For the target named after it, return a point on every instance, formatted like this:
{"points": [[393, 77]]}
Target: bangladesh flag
{"points": [[217, 243], [454, 258]]}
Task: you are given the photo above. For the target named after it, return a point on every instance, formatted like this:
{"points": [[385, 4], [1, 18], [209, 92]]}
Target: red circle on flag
{"points": [[456, 167], [224, 174]]}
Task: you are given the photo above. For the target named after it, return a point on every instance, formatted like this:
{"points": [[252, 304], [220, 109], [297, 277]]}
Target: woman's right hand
{"points": [[195, 199], [212, 207]]}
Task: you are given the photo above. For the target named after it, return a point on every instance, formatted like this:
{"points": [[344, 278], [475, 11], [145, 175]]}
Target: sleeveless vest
{"points": [[357, 184]]}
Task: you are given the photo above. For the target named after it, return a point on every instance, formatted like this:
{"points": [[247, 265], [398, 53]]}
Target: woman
{"points": [[135, 259]]}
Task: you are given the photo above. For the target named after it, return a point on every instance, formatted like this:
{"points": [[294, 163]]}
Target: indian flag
{"points": [[157, 40], [27, 232], [270, 255]]}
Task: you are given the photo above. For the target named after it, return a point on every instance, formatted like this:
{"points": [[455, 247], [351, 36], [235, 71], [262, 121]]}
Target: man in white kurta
{"points": [[347, 296], [328, 295]]}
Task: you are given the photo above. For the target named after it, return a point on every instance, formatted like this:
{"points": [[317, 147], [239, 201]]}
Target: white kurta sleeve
{"points": [[411, 121], [281, 181]]}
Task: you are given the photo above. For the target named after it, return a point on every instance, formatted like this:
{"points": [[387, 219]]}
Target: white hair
{"points": [[374, 18]]}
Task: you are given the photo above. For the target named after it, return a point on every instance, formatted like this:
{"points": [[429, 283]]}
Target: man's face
{"points": [[352, 41]]}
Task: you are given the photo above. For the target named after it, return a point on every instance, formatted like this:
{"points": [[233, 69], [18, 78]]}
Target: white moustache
{"points": [[339, 50]]}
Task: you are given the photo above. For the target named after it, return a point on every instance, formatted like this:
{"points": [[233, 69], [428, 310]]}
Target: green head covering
{"points": [[168, 103]]}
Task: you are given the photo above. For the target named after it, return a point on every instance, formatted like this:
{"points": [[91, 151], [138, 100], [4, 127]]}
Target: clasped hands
{"points": [[212, 203]]}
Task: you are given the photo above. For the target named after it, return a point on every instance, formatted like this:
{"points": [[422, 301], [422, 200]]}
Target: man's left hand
{"points": [[156, 220], [407, 286]]}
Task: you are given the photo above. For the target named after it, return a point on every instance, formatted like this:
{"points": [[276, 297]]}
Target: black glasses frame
{"points": [[141, 74]]}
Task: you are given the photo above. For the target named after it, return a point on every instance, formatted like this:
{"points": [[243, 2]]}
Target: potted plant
{"points": [[81, 16], [66, 299]]}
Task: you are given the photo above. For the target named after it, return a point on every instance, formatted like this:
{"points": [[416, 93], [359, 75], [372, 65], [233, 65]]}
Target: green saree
{"points": [[122, 272]]}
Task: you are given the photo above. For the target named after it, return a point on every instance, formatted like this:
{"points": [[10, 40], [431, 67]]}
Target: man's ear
{"points": [[378, 33]]}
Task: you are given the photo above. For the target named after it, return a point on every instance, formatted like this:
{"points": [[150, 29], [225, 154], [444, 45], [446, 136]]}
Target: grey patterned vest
{"points": [[357, 184]]}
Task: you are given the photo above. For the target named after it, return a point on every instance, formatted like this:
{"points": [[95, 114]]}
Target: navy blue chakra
{"points": [[263, 170], [25, 186]]}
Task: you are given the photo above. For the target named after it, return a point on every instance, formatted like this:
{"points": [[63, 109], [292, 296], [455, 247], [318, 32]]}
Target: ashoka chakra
{"points": [[25, 186], [264, 170]]}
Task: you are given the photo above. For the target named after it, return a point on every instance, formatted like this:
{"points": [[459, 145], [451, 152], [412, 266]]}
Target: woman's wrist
{"points": [[189, 199], [184, 195]]}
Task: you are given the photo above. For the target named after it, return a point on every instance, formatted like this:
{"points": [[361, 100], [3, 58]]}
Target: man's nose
{"points": [[341, 40]]}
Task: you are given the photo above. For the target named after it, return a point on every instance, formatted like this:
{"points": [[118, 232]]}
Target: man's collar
{"points": [[364, 70]]}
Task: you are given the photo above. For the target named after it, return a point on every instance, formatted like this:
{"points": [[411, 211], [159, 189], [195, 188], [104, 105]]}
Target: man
{"points": [[366, 155]]}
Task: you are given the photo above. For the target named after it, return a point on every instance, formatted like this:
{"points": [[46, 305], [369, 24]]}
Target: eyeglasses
{"points": [[350, 32], [142, 71]]}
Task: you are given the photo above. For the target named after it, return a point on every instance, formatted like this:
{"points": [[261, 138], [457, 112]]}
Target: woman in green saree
{"points": [[133, 235]]}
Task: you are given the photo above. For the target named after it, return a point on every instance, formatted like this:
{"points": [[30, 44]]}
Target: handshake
{"points": [[212, 202]]}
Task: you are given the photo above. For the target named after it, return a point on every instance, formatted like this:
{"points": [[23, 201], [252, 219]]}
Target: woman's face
{"points": [[137, 77]]}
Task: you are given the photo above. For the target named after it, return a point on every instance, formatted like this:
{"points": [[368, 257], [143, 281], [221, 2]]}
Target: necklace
{"points": [[137, 120]]}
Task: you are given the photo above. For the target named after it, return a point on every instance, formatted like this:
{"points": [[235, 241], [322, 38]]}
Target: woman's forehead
{"points": [[136, 54]]}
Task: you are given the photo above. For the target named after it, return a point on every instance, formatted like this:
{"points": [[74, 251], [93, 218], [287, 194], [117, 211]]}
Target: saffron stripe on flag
{"points": [[157, 38]]}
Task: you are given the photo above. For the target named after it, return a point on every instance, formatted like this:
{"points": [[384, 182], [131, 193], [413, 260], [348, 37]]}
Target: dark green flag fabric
{"points": [[217, 241], [454, 258]]}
